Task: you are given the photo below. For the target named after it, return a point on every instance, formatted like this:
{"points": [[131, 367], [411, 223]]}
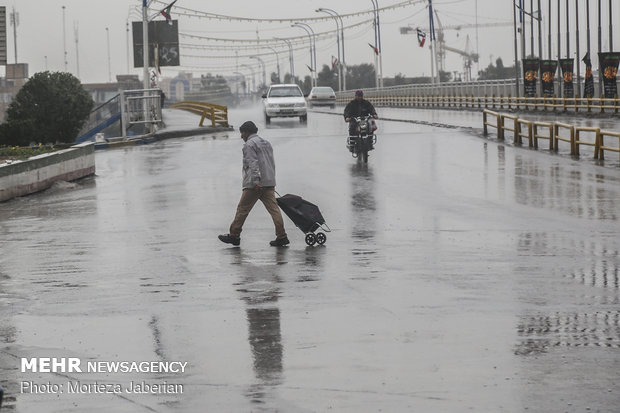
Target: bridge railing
{"points": [[217, 114], [490, 94], [100, 118], [551, 104], [556, 131]]}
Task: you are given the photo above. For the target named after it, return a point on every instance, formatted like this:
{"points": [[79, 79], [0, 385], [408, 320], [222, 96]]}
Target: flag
{"points": [[156, 58], [374, 48], [334, 62], [421, 37], [588, 89], [166, 12]]}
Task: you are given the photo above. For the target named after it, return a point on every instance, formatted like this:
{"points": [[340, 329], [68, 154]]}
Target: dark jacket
{"points": [[359, 108]]}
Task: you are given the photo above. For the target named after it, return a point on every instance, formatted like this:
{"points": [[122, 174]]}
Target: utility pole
{"points": [[127, 43], [600, 49], [567, 32], [514, 26], [577, 60], [540, 51], [15, 23], [107, 33], [477, 48], [611, 32], [145, 47], [549, 31], [76, 34], [532, 28], [64, 37]]}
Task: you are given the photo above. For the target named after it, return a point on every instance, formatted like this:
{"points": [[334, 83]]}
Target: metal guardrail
{"points": [[218, 114], [586, 105], [101, 118], [557, 131]]}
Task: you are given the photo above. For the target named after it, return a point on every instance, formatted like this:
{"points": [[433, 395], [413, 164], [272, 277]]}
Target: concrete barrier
{"points": [[40, 172]]}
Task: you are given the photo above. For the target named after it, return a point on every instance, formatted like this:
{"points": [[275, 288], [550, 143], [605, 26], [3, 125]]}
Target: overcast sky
{"points": [[40, 34]]}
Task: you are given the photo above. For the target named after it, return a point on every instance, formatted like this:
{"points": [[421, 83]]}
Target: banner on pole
{"points": [[567, 76], [609, 68], [547, 70], [530, 75], [588, 88]]}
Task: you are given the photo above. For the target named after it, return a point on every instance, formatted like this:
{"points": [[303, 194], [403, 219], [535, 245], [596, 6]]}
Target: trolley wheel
{"points": [[310, 239], [321, 238]]}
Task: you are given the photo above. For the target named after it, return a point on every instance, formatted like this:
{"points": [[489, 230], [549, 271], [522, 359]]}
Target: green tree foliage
{"points": [[49, 108]]}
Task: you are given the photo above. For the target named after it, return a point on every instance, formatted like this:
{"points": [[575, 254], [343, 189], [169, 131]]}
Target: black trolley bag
{"points": [[306, 216]]}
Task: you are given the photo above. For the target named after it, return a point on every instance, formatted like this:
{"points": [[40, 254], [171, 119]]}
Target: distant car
{"points": [[322, 96], [285, 101]]}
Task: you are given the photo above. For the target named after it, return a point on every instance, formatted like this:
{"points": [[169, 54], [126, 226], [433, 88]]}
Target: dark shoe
{"points": [[279, 242], [229, 239]]}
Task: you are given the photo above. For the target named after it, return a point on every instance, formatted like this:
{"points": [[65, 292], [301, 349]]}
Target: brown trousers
{"points": [[249, 196]]}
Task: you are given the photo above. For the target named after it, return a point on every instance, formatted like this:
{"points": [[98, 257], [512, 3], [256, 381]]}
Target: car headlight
{"points": [[300, 105]]}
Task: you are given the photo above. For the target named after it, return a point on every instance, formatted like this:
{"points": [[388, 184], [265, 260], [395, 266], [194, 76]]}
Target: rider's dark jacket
{"points": [[359, 108]]}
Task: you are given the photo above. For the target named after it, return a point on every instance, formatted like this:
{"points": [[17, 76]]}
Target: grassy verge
{"points": [[15, 153]]}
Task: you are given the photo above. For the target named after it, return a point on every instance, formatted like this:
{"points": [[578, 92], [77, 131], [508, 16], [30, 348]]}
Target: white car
{"points": [[322, 95], [285, 101]]}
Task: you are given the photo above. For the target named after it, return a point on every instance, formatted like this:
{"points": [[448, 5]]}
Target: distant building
{"points": [[16, 77]]}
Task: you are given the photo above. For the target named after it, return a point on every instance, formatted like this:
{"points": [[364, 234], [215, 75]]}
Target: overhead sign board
{"points": [[163, 37]]}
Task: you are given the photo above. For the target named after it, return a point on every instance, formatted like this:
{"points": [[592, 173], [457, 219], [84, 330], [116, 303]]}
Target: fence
{"points": [[551, 104], [218, 114], [575, 136], [140, 107]]}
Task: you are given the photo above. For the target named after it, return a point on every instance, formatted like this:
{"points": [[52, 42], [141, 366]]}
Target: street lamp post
{"points": [[145, 47], [311, 35], [342, 82], [107, 33], [290, 57], [375, 4], [277, 61], [64, 37], [244, 82], [263, 65], [253, 78]]}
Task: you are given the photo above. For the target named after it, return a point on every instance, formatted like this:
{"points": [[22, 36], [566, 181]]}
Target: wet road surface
{"points": [[461, 274]]}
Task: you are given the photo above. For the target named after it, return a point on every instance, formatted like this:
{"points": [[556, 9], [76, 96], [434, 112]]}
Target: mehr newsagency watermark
{"points": [[76, 366]]}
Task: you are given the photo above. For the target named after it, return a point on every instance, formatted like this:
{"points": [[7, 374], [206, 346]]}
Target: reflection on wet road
{"points": [[461, 274]]}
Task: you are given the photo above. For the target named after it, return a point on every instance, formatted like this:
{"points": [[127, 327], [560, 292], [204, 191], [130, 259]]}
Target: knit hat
{"points": [[359, 93], [248, 126]]}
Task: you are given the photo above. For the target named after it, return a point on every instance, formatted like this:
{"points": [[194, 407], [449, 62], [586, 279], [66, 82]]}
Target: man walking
{"points": [[259, 181]]}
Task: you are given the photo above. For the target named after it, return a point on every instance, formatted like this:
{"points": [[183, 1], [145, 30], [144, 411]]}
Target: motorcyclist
{"points": [[356, 108]]}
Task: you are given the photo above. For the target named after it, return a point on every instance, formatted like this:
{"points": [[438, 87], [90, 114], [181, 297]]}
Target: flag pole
{"points": [[577, 59], [514, 16], [145, 46]]}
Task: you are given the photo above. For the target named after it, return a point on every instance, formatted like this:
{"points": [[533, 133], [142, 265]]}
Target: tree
{"points": [[49, 108], [328, 77], [499, 71], [360, 76]]}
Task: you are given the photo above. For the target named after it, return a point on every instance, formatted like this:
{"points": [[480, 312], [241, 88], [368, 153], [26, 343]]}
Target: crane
{"points": [[468, 55]]}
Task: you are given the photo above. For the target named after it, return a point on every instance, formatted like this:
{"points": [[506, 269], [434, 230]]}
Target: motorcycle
{"points": [[364, 141]]}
